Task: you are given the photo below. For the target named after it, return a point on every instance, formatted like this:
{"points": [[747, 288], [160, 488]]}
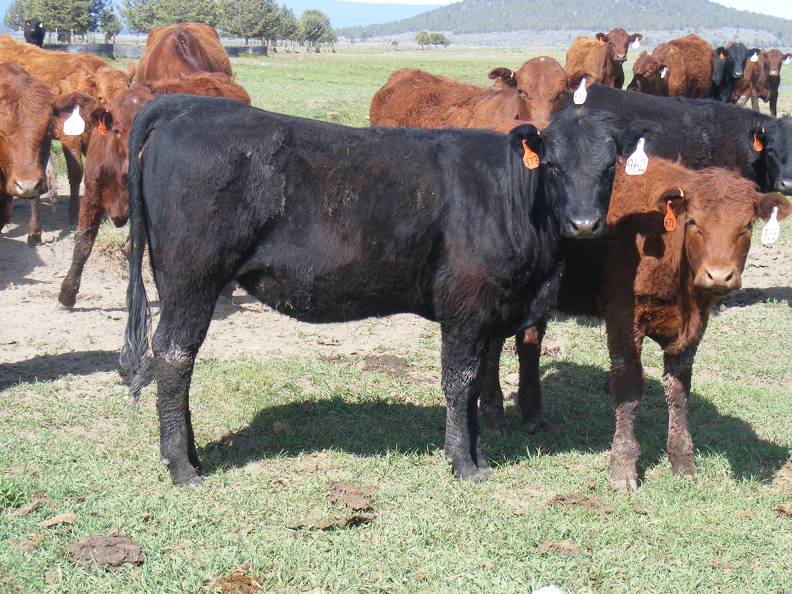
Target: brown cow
{"points": [[761, 81], [107, 163], [68, 73], [179, 50], [29, 113], [646, 281], [417, 99], [681, 67], [601, 58]]}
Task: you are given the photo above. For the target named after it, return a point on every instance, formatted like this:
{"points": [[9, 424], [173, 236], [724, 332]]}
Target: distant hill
{"points": [[344, 13], [490, 16]]}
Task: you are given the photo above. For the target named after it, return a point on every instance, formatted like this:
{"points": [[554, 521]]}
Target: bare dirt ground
{"points": [[41, 340]]}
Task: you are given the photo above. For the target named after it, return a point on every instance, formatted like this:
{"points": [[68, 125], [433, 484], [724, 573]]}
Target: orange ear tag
{"points": [[722, 56], [101, 128], [757, 145], [669, 221], [530, 158]]}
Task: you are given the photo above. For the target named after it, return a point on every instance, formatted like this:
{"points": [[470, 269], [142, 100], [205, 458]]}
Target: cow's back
{"points": [[181, 50], [698, 59], [589, 56]]}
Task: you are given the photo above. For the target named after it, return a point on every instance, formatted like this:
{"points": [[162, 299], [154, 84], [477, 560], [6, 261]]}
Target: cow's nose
{"points": [[27, 188], [738, 74], [784, 186], [589, 227], [720, 279]]}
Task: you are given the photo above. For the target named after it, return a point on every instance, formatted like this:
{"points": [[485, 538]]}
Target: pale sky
{"points": [[779, 8]]}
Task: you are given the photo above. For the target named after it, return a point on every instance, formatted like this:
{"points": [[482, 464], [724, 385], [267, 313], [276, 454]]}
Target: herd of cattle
{"points": [[564, 192]]}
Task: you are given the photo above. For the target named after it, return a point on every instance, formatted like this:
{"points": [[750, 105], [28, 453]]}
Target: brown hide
{"points": [[180, 50], [689, 64], [592, 56]]}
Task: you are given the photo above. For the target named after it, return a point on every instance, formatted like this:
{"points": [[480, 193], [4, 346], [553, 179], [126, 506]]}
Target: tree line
{"points": [[249, 19]]}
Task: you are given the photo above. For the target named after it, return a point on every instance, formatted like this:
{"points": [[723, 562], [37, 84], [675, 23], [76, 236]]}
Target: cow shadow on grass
{"points": [[43, 368], [752, 296], [578, 410]]}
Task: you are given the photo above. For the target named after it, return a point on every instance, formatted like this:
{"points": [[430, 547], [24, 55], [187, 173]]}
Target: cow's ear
{"points": [[758, 139], [64, 104], [636, 130], [102, 120], [672, 198], [573, 80], [721, 52], [528, 143], [504, 76], [766, 202], [601, 37], [634, 36]]}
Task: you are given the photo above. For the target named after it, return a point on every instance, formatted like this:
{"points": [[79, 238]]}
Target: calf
{"points": [[704, 133], [775, 60], [620, 40], [761, 81], [35, 32], [106, 171], [28, 115], [602, 58], [180, 50], [728, 68], [681, 67], [677, 243], [417, 99], [334, 223]]}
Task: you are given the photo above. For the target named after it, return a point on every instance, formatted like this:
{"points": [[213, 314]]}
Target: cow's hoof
{"points": [[624, 485], [469, 472], [684, 467], [67, 299], [193, 481], [535, 424], [34, 239], [494, 423]]}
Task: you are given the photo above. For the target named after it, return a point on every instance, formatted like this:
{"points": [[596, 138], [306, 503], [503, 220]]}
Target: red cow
{"points": [[681, 67], [761, 81], [601, 58]]}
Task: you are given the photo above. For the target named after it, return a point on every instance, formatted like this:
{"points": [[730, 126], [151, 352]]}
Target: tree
{"points": [[438, 39], [20, 10], [287, 24], [109, 24], [144, 15], [248, 18], [423, 39], [314, 25], [139, 15]]}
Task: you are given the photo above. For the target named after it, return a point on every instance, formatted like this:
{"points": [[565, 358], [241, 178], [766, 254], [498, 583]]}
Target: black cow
{"points": [[728, 68], [327, 223], [706, 133], [35, 32]]}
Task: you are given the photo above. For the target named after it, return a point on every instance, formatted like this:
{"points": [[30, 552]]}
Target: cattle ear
{"points": [[64, 104], [573, 81], [635, 36], [503, 75], [102, 119], [766, 202], [674, 198], [721, 51], [527, 142], [601, 37], [636, 130]]}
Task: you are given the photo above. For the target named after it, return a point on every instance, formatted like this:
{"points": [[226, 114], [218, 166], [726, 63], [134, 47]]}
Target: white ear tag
{"points": [[755, 58], [771, 229], [636, 44], [74, 124], [663, 72], [638, 161], [580, 95], [788, 60]]}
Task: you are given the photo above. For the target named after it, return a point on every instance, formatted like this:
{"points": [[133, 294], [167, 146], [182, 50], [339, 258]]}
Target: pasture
{"points": [[284, 409]]}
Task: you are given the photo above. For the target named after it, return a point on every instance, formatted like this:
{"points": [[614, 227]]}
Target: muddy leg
{"points": [[34, 226], [678, 370], [626, 384], [491, 398], [529, 393], [84, 239], [464, 361]]}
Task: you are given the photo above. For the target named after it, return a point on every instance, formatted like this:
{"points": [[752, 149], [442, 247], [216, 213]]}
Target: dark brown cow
{"points": [[649, 280], [681, 67], [761, 81], [29, 114], [417, 99], [601, 58], [67, 73], [180, 50], [106, 171]]}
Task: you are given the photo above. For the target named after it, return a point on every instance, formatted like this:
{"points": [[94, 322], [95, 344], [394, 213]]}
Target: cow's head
{"points": [[539, 86], [733, 57], [775, 60], [650, 75], [29, 115], [578, 153], [620, 41], [772, 145], [717, 212], [107, 161]]}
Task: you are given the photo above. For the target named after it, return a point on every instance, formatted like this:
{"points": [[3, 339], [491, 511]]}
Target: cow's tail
{"points": [[134, 353]]}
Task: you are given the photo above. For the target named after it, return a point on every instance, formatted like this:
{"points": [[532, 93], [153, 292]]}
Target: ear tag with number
{"points": [[101, 128], [663, 72], [636, 44], [771, 229], [638, 161], [669, 220], [530, 158], [74, 124], [757, 144], [755, 58], [580, 95]]}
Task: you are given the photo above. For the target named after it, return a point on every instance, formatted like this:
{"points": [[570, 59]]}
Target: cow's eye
{"points": [[748, 228], [552, 169]]}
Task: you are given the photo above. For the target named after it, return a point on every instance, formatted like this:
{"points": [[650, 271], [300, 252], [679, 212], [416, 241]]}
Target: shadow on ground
{"points": [[45, 368], [746, 297], [576, 407]]}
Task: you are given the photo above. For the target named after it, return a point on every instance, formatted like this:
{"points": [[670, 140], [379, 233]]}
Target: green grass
{"points": [[75, 440]]}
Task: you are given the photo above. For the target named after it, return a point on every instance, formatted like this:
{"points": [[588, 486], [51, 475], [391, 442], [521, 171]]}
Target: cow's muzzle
{"points": [[584, 228], [29, 188], [784, 186]]}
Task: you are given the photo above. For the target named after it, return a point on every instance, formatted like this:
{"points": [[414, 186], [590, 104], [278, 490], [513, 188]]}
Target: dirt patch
{"points": [[348, 496], [579, 500], [783, 478], [563, 547], [237, 582], [108, 551]]}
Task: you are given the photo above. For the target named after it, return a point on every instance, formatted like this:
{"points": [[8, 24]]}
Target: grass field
{"points": [[274, 433]]}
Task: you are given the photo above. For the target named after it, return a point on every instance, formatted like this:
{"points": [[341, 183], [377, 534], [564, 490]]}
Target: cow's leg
{"points": [[180, 333], [90, 218], [74, 168], [464, 363], [6, 203], [529, 392], [754, 100], [491, 399], [774, 103], [34, 226], [677, 373], [626, 384]]}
